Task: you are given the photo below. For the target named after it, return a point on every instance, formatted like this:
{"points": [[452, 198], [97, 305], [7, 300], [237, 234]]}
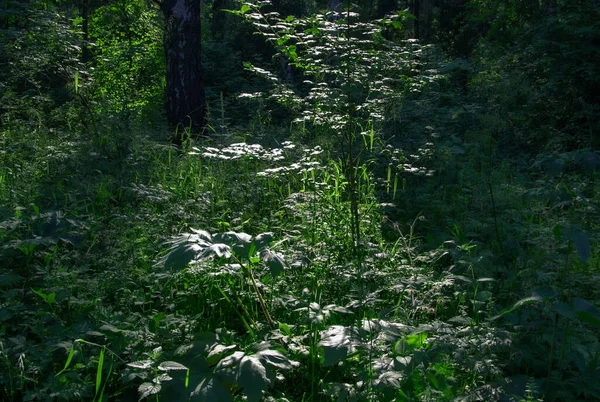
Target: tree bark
{"points": [[416, 11], [185, 105]]}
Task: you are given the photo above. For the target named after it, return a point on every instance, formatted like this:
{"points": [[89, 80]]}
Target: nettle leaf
{"points": [[171, 366], [146, 389], [239, 242], [580, 239], [581, 309], [276, 359], [218, 249], [217, 352], [253, 378], [210, 389], [247, 372], [184, 249], [273, 261], [9, 279], [142, 364], [585, 311], [181, 256], [337, 341], [389, 379], [263, 240]]}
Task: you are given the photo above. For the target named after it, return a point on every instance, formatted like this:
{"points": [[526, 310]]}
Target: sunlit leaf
{"points": [[263, 240], [337, 341], [171, 366], [275, 358], [147, 389], [217, 353], [180, 256], [273, 261], [218, 249], [142, 364], [239, 242], [253, 378]]}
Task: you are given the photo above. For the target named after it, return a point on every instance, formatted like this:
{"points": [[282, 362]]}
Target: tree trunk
{"points": [[416, 11], [385, 7], [185, 93]]}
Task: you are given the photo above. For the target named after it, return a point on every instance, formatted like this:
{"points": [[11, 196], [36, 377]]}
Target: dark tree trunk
{"points": [[416, 11], [185, 93], [385, 7]]}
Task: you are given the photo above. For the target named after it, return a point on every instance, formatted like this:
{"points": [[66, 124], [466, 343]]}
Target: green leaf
{"points": [[99, 370], [218, 249], [334, 355], [416, 341], [585, 311], [180, 256], [581, 240], [273, 261], [253, 378], [210, 389], [239, 242], [142, 364], [285, 329], [217, 353], [171, 366], [68, 363], [275, 358], [522, 302], [146, 389], [263, 240], [337, 341]]}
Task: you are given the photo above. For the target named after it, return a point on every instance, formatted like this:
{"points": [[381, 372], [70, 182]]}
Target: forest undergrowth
{"points": [[434, 262], [225, 271]]}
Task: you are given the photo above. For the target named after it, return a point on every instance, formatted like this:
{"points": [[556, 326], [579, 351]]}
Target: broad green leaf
{"points": [[285, 329], [337, 341], [275, 358], [239, 242], [273, 261], [334, 355], [180, 256], [245, 8], [171, 366], [210, 389], [263, 240], [218, 249], [483, 295], [389, 379], [581, 309], [217, 353], [581, 241], [253, 378], [146, 389], [416, 341], [9, 279], [202, 235]]}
